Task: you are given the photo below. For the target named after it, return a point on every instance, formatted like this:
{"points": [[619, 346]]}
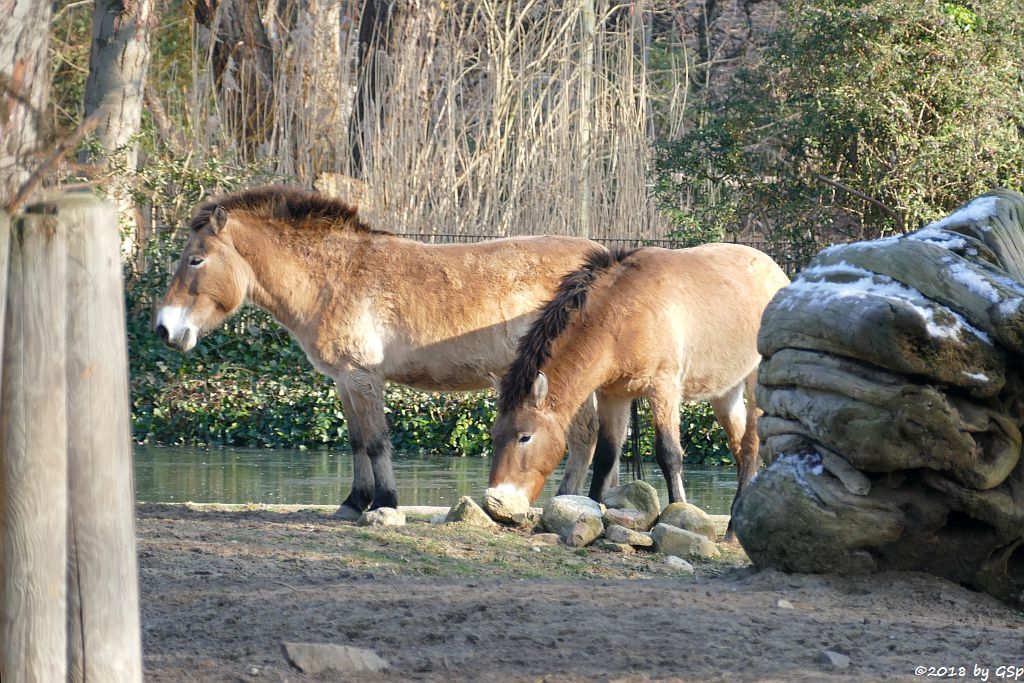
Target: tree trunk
{"points": [[117, 73], [24, 82], [243, 64], [375, 30]]}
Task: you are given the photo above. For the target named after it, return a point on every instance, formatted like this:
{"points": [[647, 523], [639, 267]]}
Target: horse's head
{"points": [[209, 283], [528, 443]]}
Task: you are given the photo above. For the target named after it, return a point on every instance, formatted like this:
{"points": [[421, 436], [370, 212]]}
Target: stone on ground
{"points": [[466, 511], [680, 564], [585, 531], [691, 518], [833, 660], [545, 539], [562, 512], [631, 519], [316, 658], [506, 505], [672, 540], [620, 534], [382, 517], [635, 495], [613, 547]]}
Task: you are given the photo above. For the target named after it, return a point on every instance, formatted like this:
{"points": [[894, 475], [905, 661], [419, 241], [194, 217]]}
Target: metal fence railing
{"points": [[782, 252]]}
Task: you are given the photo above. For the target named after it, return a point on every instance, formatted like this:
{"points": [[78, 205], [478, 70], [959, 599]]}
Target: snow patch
{"points": [[973, 212], [972, 280], [939, 237], [980, 376]]}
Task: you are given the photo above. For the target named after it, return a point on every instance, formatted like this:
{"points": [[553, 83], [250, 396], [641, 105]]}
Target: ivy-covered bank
{"points": [[249, 385]]}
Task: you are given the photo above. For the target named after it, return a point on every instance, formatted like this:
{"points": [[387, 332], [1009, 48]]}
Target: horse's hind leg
{"points": [[366, 396], [613, 418], [667, 449], [582, 437], [740, 424]]}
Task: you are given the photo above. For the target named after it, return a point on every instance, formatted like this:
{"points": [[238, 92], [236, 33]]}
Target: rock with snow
{"points": [[506, 505], [635, 495], [382, 517], [562, 512], [672, 540], [318, 658], [620, 534], [691, 518], [466, 511]]}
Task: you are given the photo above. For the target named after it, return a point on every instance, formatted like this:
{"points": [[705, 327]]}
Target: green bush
{"points": [[863, 117]]}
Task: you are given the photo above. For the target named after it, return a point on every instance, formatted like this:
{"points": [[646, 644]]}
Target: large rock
{"points": [[317, 658], [691, 518], [466, 511], [561, 514], [672, 540], [635, 495], [382, 517], [506, 505], [585, 531], [620, 534], [631, 519]]}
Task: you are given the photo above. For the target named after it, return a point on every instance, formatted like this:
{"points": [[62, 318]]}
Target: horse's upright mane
{"points": [[281, 201], [534, 347]]}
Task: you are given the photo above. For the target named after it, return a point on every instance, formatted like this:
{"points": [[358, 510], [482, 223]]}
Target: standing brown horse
{"points": [[367, 306], [665, 325]]}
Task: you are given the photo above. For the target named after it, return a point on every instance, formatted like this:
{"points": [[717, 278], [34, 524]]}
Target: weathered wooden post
{"points": [[33, 436], [102, 570], [66, 494]]}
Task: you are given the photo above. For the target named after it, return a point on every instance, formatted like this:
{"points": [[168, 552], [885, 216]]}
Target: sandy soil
{"points": [[222, 590]]}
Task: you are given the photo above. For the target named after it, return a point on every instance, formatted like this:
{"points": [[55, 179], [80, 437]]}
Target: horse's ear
{"points": [[540, 389], [495, 382], [218, 219]]}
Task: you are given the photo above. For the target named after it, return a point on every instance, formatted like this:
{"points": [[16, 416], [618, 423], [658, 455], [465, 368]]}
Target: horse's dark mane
{"points": [[534, 347], [281, 201]]}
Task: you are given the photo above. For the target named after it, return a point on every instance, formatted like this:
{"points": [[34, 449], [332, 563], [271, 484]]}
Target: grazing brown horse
{"points": [[665, 325], [367, 306]]}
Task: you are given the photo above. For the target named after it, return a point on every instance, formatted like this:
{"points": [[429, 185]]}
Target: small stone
{"points": [[561, 513], [672, 540], [613, 547], [631, 519], [680, 564], [833, 660], [620, 534], [545, 539], [527, 520], [253, 671], [635, 495], [586, 530], [506, 505], [382, 517], [691, 518], [466, 511], [784, 604], [315, 658]]}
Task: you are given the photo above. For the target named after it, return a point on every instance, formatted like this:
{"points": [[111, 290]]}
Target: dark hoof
{"points": [[347, 513], [385, 499]]}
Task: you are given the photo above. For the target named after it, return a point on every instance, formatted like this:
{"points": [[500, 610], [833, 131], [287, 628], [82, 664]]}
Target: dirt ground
{"points": [[221, 590]]}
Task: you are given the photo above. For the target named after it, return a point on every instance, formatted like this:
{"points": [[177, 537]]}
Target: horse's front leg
{"points": [[371, 444], [361, 495], [582, 438], [613, 416]]}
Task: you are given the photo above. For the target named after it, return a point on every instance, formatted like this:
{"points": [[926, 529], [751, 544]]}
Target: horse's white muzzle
{"points": [[174, 328]]}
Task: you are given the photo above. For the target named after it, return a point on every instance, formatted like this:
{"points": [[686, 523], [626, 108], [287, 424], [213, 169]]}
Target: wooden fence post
{"points": [[102, 568], [33, 438]]}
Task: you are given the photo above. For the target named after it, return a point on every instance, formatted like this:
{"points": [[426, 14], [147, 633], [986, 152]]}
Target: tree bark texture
{"points": [[24, 83], [118, 64], [893, 407]]}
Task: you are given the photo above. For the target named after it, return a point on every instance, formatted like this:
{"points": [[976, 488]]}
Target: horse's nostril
{"points": [[162, 332]]}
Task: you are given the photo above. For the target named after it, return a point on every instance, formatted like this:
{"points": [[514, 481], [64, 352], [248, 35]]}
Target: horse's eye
{"points": [[525, 438], [196, 261]]}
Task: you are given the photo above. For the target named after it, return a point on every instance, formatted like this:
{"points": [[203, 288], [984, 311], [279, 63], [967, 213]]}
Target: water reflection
{"points": [[322, 477]]}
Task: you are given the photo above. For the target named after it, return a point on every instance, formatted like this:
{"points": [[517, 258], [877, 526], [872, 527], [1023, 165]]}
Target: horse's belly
{"points": [[447, 372]]}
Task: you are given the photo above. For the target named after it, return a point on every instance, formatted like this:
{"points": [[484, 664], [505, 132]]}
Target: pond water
{"points": [[279, 476]]}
